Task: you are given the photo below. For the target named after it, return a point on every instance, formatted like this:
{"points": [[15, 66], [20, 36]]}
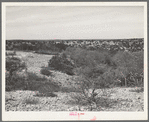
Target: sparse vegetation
{"points": [[98, 70], [87, 75]]}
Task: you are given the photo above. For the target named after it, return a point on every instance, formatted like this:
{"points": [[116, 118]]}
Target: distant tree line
{"points": [[132, 45], [34, 46]]}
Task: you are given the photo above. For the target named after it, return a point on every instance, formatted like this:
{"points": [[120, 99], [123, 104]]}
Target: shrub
{"points": [[100, 70], [126, 63], [33, 81], [82, 57], [90, 79], [138, 90], [88, 84], [15, 82], [48, 87], [139, 59], [127, 60], [13, 65], [30, 100], [30, 81], [11, 53], [69, 50], [61, 46], [45, 72], [34, 77], [48, 94], [61, 63], [41, 84]]}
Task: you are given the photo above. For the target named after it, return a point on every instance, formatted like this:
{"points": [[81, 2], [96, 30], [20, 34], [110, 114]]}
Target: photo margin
{"points": [[65, 114]]}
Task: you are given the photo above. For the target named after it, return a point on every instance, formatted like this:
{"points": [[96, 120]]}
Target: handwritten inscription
{"points": [[73, 114], [94, 118], [76, 114]]}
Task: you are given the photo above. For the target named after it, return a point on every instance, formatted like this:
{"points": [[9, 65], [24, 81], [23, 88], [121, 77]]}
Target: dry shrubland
{"points": [[93, 72]]}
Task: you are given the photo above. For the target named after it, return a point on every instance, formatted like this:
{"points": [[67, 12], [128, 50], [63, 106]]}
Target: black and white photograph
{"points": [[74, 61]]}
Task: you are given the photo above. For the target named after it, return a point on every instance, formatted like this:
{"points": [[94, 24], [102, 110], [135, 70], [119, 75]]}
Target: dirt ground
{"points": [[121, 99]]}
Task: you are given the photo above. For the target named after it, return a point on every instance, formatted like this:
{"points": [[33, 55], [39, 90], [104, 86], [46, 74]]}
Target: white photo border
{"points": [[48, 116]]}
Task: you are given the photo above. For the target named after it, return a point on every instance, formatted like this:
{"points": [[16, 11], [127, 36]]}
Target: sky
{"points": [[74, 22]]}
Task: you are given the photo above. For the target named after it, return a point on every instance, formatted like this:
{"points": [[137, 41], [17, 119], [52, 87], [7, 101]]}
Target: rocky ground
{"points": [[124, 99], [113, 99]]}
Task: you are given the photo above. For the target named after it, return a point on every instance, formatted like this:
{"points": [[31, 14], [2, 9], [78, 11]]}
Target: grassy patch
{"points": [[30, 100]]}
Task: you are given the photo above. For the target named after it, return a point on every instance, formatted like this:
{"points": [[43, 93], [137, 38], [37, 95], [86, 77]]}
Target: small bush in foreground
{"points": [[48, 86], [89, 80], [45, 72], [30, 100], [27, 82]]}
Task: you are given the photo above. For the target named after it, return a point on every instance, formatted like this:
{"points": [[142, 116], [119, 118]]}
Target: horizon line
{"points": [[75, 39]]}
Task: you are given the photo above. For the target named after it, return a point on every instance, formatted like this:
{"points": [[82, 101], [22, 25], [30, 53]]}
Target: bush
{"points": [[82, 57], [34, 77], [48, 86], [11, 53], [139, 59], [13, 65], [30, 81], [41, 84], [30, 100], [100, 70], [15, 82], [120, 64], [138, 90], [126, 63], [92, 77], [45, 72], [61, 46], [87, 83], [61, 63]]}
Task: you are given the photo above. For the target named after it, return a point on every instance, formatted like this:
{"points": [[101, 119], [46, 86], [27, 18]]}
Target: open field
{"points": [[120, 99]]}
